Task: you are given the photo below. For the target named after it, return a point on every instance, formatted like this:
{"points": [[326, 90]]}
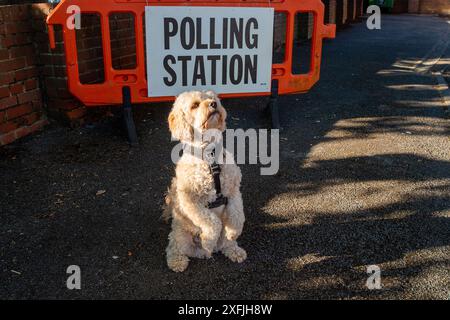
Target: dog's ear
{"points": [[223, 125], [180, 129]]}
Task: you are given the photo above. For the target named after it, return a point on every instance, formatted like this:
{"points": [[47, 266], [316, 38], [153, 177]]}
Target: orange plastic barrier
{"points": [[110, 91]]}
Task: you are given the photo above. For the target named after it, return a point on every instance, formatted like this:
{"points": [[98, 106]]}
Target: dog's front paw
{"points": [[209, 238], [178, 263], [235, 254]]}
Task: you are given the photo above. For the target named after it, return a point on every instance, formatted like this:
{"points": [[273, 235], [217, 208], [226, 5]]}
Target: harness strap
{"points": [[215, 171]]}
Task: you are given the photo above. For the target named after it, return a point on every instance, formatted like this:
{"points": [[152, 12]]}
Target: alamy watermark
{"points": [[237, 141], [74, 19], [374, 20], [74, 280], [374, 280]]}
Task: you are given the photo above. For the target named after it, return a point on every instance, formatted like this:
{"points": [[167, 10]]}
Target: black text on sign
{"points": [[228, 50]]}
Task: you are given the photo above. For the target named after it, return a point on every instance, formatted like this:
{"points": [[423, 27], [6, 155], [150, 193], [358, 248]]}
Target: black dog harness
{"points": [[214, 167]]}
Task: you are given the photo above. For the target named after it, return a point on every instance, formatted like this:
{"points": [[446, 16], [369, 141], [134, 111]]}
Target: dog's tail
{"points": [[169, 202], [167, 208]]}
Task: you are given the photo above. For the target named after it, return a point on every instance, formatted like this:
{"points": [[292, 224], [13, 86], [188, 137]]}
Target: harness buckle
{"points": [[220, 200], [214, 167]]}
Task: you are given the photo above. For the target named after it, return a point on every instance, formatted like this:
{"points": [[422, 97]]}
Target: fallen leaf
{"points": [[100, 192]]}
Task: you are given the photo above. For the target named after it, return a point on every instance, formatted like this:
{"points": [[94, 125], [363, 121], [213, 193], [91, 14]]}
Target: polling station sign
{"points": [[226, 49]]}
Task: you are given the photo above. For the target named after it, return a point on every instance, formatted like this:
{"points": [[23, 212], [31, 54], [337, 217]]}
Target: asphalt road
{"points": [[364, 180]]}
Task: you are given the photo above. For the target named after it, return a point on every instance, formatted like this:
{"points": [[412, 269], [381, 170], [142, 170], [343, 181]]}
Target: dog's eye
{"points": [[195, 105]]}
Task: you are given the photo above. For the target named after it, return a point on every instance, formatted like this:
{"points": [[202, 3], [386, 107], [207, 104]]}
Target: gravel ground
{"points": [[364, 179]]}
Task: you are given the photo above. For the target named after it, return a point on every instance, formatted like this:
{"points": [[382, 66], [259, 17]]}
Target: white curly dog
{"points": [[204, 199]]}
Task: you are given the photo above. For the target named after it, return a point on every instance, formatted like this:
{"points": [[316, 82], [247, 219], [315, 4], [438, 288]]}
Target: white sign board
{"points": [[228, 50]]}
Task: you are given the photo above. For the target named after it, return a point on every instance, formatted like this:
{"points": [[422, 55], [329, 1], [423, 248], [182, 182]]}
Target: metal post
{"points": [[128, 117], [273, 106]]}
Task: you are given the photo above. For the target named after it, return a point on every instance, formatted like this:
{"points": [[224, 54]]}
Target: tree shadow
{"points": [[303, 252]]}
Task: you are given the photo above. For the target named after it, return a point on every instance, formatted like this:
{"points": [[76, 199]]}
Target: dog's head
{"points": [[196, 111]]}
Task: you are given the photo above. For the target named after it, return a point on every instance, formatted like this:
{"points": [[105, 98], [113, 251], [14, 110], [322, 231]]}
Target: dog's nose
{"points": [[213, 104]]}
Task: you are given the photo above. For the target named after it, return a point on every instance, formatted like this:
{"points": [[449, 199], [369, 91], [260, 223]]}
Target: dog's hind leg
{"points": [[232, 251]]}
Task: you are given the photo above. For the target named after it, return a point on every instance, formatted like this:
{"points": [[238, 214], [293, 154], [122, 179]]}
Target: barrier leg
{"points": [[128, 117], [273, 106]]}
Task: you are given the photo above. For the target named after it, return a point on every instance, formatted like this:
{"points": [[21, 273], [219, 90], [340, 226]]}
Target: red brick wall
{"points": [[413, 6], [279, 37], [341, 17], [90, 50], [435, 6], [330, 11], [60, 104], [21, 109], [123, 41], [345, 11], [33, 78], [400, 6], [334, 11], [303, 26], [351, 13]]}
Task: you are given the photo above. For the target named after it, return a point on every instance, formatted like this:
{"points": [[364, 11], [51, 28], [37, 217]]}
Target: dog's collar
{"points": [[204, 151], [200, 151]]}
